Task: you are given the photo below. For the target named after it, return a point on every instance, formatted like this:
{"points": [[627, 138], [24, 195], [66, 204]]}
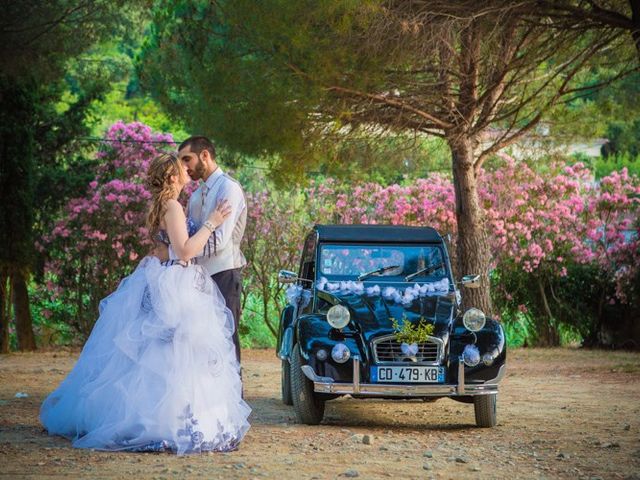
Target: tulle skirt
{"points": [[158, 372]]}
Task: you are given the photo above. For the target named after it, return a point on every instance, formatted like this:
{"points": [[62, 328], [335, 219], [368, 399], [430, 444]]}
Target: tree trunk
{"points": [[472, 246], [24, 325], [5, 308], [548, 333]]}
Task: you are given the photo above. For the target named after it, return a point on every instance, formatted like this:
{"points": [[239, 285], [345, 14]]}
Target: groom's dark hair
{"points": [[197, 144]]}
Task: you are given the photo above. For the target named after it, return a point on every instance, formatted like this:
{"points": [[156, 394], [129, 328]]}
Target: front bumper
{"points": [[328, 385]]}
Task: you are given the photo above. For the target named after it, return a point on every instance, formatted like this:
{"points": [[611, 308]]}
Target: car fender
{"points": [[284, 345], [491, 338]]}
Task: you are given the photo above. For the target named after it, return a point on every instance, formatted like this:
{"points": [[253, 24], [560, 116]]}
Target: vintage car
{"points": [[356, 287]]}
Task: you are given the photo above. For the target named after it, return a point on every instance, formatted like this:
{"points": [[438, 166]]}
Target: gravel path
{"points": [[562, 413]]}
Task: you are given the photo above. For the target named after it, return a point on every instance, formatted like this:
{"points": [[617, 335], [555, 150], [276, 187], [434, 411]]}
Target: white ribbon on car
{"points": [[298, 296], [404, 297], [472, 354], [409, 349]]}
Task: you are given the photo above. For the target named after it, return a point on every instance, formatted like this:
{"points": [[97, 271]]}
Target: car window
{"points": [[354, 260]]}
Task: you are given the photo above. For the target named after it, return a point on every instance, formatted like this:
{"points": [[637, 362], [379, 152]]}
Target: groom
{"points": [[221, 255]]}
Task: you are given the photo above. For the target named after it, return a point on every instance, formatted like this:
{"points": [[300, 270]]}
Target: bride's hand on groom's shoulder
{"points": [[220, 213]]}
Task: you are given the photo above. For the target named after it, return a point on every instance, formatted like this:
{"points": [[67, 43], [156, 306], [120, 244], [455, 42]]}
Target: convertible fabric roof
{"points": [[377, 233]]}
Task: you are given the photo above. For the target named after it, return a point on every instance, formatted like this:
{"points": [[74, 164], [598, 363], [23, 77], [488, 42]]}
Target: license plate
{"points": [[418, 374]]}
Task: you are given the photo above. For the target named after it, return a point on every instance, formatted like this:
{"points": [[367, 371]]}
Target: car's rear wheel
{"points": [[308, 406], [485, 409], [285, 383]]}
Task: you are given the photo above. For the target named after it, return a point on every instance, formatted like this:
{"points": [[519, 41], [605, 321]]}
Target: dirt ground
{"points": [[562, 413]]}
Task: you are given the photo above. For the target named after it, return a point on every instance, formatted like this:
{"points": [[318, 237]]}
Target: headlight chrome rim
{"points": [[338, 316], [474, 319]]}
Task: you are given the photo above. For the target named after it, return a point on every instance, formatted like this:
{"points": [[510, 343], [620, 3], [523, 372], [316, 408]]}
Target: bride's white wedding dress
{"points": [[158, 372]]}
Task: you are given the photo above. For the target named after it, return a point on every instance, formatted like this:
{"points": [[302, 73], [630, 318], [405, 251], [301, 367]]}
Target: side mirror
{"points": [[471, 281], [285, 276]]}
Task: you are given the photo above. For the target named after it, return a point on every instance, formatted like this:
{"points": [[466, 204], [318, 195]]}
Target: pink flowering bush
{"points": [[534, 222], [101, 236], [276, 225], [612, 230], [429, 201], [554, 263]]}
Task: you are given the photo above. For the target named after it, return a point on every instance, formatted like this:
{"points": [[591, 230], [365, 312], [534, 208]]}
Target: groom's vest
{"points": [[223, 252]]}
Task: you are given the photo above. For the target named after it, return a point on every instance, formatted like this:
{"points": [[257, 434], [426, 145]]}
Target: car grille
{"points": [[388, 350]]}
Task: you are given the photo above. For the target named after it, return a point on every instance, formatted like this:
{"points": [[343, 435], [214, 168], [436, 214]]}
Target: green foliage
{"points": [[614, 163], [385, 160], [50, 318], [42, 162], [124, 99], [17, 185], [612, 112], [575, 301], [119, 104], [215, 79], [624, 137], [518, 328], [38, 38], [412, 332], [254, 332]]}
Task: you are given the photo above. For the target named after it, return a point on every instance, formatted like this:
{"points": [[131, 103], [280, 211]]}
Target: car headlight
{"points": [[474, 319], [338, 316], [340, 353]]}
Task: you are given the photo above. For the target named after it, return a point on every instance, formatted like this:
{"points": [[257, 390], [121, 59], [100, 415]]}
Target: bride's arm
{"points": [[184, 246]]}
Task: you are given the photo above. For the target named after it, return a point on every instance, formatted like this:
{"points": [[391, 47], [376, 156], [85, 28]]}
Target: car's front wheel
{"points": [[308, 406], [485, 409], [285, 383]]}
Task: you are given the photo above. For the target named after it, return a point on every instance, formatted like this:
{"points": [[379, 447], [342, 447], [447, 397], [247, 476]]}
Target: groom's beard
{"points": [[199, 171]]}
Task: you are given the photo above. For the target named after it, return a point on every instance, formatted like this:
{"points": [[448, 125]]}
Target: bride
{"points": [[159, 370]]}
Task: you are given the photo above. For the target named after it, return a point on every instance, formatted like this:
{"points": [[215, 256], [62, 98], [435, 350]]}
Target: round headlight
{"points": [[474, 319], [340, 353], [338, 316]]}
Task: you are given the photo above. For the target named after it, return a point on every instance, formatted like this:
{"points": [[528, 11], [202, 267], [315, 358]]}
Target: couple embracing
{"points": [[161, 368]]}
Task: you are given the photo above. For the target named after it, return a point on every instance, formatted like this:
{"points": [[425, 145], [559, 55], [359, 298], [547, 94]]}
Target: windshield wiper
{"points": [[424, 271], [377, 271]]}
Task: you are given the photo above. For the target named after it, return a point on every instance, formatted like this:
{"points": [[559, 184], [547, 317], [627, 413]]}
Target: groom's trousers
{"points": [[230, 284]]}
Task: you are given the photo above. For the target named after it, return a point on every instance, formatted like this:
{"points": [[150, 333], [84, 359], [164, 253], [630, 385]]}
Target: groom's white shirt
{"points": [[222, 251]]}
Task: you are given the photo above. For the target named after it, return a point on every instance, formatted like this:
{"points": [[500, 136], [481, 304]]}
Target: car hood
{"points": [[374, 314]]}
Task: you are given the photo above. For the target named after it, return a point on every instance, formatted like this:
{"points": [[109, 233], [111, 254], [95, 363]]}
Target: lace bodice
{"points": [[163, 236]]}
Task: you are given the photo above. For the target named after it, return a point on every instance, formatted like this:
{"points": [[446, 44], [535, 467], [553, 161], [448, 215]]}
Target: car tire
{"points": [[485, 410], [308, 406], [285, 383]]}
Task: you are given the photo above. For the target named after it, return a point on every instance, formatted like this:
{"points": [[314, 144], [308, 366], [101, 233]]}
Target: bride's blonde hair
{"points": [[161, 188]]}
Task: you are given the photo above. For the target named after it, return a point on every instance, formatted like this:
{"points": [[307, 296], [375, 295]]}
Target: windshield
{"points": [[348, 262]]}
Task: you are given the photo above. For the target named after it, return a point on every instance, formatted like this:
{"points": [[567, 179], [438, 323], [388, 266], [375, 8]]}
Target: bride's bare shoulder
{"points": [[173, 205]]}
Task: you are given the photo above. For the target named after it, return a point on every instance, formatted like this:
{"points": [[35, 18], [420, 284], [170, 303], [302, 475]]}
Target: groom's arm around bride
{"points": [[221, 255]]}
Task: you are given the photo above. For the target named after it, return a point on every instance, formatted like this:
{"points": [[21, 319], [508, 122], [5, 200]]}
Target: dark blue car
{"points": [[359, 288]]}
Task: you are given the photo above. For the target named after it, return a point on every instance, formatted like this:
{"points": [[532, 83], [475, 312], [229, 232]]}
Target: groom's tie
{"points": [[205, 192]]}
